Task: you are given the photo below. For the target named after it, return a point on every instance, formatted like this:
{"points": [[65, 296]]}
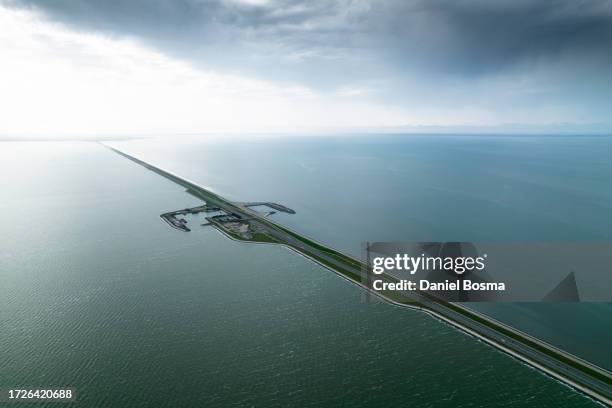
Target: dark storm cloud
{"points": [[479, 36], [332, 41]]}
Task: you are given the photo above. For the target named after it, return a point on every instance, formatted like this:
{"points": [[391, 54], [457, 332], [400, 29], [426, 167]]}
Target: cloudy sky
{"points": [[110, 67]]}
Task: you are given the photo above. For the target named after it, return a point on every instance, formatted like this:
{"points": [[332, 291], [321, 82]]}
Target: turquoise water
{"points": [[97, 293], [427, 188]]}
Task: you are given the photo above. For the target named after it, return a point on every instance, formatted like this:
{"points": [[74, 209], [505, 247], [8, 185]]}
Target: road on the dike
{"points": [[594, 381]]}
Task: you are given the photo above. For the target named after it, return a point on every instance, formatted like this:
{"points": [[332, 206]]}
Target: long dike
{"points": [[583, 376]]}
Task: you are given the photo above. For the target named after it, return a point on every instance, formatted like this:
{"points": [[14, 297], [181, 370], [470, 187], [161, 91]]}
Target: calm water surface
{"points": [[427, 188], [99, 294]]}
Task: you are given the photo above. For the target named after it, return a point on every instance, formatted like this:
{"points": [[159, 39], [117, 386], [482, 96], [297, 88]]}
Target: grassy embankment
{"points": [[352, 270]]}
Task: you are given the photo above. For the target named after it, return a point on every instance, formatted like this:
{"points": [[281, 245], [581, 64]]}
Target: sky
{"points": [[157, 67]]}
